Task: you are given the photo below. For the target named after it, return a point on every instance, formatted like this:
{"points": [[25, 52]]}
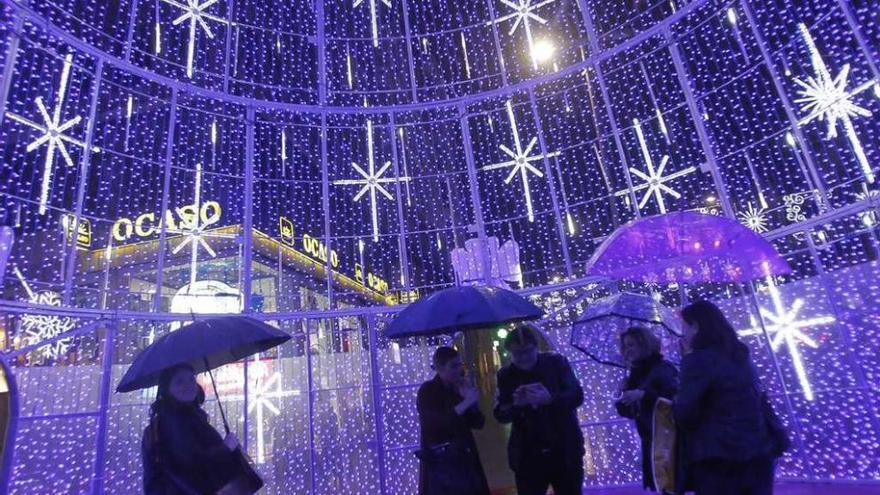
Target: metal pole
{"points": [[129, 36], [227, 68], [104, 410], [497, 42], [166, 186], [603, 91], [311, 406], [404, 257], [560, 223], [786, 101], [376, 381], [409, 53], [699, 124], [81, 187], [10, 60], [475, 192], [248, 221]]}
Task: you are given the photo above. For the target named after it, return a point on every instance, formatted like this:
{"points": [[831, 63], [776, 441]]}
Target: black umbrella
{"points": [[203, 345]]}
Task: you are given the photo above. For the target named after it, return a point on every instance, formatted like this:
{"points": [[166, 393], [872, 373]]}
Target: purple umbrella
{"points": [[686, 247]]}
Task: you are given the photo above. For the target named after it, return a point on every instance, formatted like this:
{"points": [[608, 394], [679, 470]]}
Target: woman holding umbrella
{"points": [[182, 452]]}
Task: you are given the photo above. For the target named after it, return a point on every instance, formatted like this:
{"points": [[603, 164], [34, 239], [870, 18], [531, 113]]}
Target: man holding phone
{"points": [[539, 393]]}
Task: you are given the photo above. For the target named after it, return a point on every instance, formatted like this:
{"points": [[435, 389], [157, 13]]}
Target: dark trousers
{"points": [[720, 477], [542, 470]]}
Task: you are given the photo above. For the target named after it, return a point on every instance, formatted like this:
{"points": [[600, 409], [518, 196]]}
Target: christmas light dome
{"points": [[325, 162]]}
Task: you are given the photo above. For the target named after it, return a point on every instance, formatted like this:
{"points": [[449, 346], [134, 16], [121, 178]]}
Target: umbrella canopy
{"points": [[204, 345], [461, 308], [686, 247], [597, 331]]}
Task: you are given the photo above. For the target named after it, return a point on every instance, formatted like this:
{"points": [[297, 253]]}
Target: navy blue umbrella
{"points": [[204, 345], [461, 308]]}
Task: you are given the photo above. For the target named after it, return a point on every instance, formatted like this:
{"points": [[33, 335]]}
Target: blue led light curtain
{"points": [[315, 164]]}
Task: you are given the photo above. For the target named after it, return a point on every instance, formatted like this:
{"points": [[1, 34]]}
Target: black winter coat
{"points": [[556, 422], [718, 408], [657, 378], [183, 454]]}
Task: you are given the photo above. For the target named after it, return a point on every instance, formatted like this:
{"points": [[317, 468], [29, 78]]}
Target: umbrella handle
{"points": [[219, 404]]}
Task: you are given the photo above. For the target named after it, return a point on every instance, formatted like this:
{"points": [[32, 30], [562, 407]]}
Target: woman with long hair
{"points": [[650, 377], [729, 448], [182, 453]]}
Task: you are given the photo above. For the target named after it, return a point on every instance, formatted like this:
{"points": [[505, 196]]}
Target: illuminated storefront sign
{"points": [[146, 225], [285, 230], [374, 282], [316, 249], [83, 233]]}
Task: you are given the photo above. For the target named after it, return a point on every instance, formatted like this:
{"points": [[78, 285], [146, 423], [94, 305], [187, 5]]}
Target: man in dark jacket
{"points": [[539, 393]]}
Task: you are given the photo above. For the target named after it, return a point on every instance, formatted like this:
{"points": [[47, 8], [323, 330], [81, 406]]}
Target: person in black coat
{"points": [[539, 393], [728, 445], [182, 453], [448, 411], [650, 377]]}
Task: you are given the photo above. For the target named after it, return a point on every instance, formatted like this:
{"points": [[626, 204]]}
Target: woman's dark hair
{"points": [[163, 393], [714, 331], [443, 355], [647, 341], [522, 334]]}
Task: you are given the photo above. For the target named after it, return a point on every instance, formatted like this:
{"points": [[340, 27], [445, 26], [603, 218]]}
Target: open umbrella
{"points": [[686, 247], [204, 345], [461, 308], [597, 332]]}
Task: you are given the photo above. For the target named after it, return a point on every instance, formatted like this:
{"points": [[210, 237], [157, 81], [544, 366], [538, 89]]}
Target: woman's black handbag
{"points": [[248, 480], [778, 432], [449, 469]]}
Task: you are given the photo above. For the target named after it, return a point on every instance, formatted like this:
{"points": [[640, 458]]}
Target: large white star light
{"points": [[521, 161], [784, 327], [53, 130], [373, 17], [192, 228], [654, 180], [196, 14], [524, 13], [38, 328], [372, 180], [826, 98]]}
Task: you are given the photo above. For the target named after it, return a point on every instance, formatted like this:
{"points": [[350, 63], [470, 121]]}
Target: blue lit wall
{"points": [[234, 144]]}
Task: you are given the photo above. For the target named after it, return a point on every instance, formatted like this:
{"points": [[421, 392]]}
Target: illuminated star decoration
{"points": [[521, 161], [655, 181], [784, 327], [754, 218], [192, 229], [372, 180], [53, 133], [195, 13], [826, 98], [524, 14], [373, 18]]}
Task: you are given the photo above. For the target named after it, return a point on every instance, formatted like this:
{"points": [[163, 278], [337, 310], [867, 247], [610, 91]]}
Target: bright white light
{"points": [[53, 133], [754, 218], [826, 98], [569, 220], [524, 14], [372, 181], [789, 139], [373, 17], [731, 16], [654, 180], [543, 50], [784, 327], [521, 161], [195, 13]]}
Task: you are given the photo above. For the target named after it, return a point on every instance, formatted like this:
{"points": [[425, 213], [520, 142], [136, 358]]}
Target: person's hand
{"points": [[685, 344], [520, 396], [538, 395], [469, 393], [631, 396], [231, 441]]}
